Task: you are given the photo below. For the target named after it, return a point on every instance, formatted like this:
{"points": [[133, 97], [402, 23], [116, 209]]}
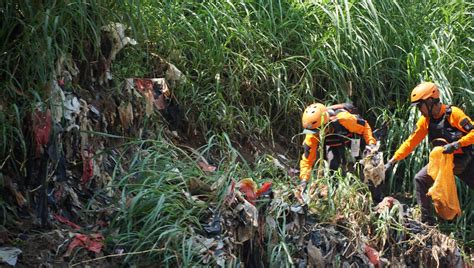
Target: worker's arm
{"points": [[415, 138], [356, 124], [309, 156], [462, 122]]}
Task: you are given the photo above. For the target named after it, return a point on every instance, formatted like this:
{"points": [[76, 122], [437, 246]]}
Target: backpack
{"points": [[341, 135], [347, 106]]}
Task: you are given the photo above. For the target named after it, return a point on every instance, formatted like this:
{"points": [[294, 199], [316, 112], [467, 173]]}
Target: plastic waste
{"points": [[443, 192], [9, 255]]}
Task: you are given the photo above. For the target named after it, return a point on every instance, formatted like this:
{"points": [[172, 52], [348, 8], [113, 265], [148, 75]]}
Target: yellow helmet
{"points": [[424, 91], [313, 116]]}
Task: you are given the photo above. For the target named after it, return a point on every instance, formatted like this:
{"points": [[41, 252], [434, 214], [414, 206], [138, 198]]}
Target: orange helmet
{"points": [[424, 91], [313, 116]]}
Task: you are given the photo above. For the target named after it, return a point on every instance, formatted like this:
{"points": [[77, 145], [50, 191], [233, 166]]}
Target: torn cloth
{"points": [[155, 91], [64, 220], [87, 166], [93, 242], [42, 123], [249, 188]]}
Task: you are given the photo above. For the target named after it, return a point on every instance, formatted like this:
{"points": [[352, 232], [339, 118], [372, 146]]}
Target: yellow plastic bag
{"points": [[443, 192]]}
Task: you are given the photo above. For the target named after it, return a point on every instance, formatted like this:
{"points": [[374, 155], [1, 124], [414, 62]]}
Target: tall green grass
{"points": [[34, 36], [253, 66], [259, 59], [155, 215]]}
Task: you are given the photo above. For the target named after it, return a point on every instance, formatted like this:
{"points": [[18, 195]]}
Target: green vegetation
{"points": [[254, 65], [251, 66], [35, 35]]}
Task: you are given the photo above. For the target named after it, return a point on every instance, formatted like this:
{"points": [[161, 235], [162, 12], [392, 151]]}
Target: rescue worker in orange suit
{"points": [[445, 126], [342, 126]]}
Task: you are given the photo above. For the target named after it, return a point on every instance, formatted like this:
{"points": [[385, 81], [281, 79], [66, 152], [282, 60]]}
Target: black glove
{"points": [[389, 164], [451, 147], [303, 185]]}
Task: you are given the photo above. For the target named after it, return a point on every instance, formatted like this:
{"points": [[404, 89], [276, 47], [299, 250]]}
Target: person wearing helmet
{"points": [[445, 126], [340, 126]]}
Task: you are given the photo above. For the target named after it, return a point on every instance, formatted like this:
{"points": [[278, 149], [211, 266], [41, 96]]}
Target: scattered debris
{"points": [[67, 222], [213, 228], [373, 255], [126, 115], [206, 167], [249, 189], [77, 167], [374, 169], [387, 203], [93, 243], [88, 165], [42, 124], [248, 217], [114, 40], [9, 255]]}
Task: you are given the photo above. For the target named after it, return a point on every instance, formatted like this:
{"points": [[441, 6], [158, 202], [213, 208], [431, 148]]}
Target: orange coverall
{"points": [[311, 141], [457, 116], [463, 161]]}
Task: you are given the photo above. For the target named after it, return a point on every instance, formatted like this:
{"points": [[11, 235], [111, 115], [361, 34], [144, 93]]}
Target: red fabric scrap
{"points": [[87, 166], [247, 188], [92, 242], [266, 187], [144, 84], [373, 255], [41, 129], [66, 221]]}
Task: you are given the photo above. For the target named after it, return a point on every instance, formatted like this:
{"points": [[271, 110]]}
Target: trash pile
{"points": [[246, 229], [72, 150], [236, 227]]}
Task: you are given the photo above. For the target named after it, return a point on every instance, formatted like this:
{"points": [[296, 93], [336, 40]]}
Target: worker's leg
{"points": [[423, 182], [464, 169], [335, 157]]}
